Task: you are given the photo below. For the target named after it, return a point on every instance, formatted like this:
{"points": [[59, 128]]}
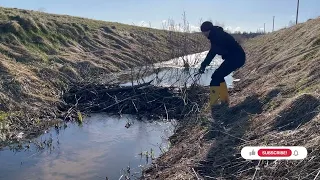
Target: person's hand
{"points": [[201, 70]]}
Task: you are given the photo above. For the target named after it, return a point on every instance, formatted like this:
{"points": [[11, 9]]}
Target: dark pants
{"points": [[230, 64]]}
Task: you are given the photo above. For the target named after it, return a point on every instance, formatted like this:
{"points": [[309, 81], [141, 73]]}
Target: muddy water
{"points": [[101, 147]]}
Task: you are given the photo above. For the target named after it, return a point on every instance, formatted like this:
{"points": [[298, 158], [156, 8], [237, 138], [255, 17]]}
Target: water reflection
{"points": [[178, 77], [101, 148], [173, 74]]}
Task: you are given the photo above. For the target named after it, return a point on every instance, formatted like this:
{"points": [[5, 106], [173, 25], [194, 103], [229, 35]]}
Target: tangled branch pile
{"points": [[144, 100]]}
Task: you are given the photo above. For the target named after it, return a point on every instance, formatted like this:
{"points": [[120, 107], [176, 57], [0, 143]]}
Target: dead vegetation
{"points": [[144, 100], [276, 103]]}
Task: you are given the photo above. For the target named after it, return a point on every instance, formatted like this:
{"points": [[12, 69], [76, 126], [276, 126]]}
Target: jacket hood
{"points": [[214, 30]]}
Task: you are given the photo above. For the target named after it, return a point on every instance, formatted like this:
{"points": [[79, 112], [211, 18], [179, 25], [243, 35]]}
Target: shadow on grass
{"points": [[299, 112], [223, 159]]}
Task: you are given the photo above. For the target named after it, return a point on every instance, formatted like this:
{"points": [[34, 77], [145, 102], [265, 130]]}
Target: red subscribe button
{"points": [[274, 152]]}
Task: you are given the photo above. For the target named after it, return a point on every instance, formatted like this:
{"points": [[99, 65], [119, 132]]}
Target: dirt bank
{"points": [[42, 54], [275, 103]]}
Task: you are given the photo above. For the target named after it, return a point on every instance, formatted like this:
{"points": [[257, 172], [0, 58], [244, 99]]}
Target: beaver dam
{"points": [[169, 93], [143, 100]]}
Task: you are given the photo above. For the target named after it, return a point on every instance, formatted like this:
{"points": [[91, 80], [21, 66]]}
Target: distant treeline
{"points": [[241, 36], [248, 34]]}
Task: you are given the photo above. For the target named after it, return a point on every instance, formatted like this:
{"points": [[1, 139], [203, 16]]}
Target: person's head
{"points": [[206, 27]]}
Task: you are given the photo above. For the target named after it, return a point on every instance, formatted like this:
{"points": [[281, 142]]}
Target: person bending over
{"points": [[223, 44]]}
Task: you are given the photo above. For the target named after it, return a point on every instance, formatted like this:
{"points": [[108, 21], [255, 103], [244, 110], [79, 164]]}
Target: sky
{"points": [[241, 15]]}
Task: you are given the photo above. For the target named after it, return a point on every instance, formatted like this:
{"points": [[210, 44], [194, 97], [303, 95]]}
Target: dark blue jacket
{"points": [[224, 44]]}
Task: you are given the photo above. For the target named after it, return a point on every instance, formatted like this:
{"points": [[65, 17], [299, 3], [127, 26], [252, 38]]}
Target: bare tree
{"points": [[291, 23], [42, 9]]}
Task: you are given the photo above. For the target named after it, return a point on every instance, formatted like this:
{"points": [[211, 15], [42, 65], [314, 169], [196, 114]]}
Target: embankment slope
{"points": [[276, 103]]}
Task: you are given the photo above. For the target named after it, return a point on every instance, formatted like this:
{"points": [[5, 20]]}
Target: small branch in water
{"points": [[121, 177], [72, 108], [317, 175], [134, 106], [195, 173], [166, 111]]}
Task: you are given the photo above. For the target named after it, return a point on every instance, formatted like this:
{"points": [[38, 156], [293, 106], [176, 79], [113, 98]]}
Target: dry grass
{"points": [[276, 103], [187, 149]]}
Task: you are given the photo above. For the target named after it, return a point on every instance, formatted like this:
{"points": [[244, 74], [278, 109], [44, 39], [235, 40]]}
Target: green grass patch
{"points": [[272, 105], [204, 122], [309, 55], [3, 115], [316, 42], [309, 89]]}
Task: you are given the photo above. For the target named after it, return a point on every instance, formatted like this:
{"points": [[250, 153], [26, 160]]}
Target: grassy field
{"points": [[42, 54], [276, 103]]}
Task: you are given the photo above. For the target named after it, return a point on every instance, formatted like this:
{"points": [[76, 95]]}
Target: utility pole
{"points": [[297, 12], [273, 24]]}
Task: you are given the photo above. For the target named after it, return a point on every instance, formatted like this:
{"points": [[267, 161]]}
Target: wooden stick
{"points": [[112, 89], [317, 175], [134, 105], [166, 111], [195, 173]]}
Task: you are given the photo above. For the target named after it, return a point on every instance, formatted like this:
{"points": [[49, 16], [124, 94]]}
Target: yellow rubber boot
{"points": [[214, 95], [224, 95]]}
